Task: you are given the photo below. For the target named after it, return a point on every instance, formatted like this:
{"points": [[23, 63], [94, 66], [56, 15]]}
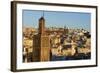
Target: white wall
{"points": [[5, 37]]}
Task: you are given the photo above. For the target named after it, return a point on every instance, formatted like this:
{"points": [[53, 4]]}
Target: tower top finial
{"points": [[42, 16]]}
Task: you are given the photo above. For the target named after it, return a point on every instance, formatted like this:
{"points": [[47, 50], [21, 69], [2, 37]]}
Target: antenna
{"points": [[43, 13]]}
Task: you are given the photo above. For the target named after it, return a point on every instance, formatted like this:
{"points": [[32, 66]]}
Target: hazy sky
{"points": [[57, 19]]}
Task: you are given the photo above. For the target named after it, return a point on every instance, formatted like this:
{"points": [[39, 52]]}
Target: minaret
{"points": [[44, 41], [65, 30], [41, 45]]}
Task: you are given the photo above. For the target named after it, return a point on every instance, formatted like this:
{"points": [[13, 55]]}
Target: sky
{"points": [[72, 20]]}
